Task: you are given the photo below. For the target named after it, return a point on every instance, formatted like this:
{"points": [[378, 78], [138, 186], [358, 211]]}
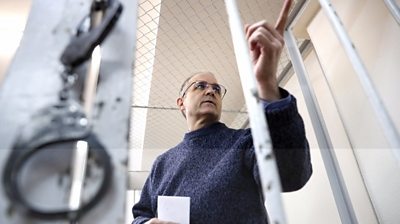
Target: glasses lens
{"points": [[216, 88], [200, 85]]}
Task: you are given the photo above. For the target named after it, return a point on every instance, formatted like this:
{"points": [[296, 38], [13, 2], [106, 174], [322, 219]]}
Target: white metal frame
{"points": [[341, 196], [381, 112], [337, 183], [268, 169], [394, 9]]}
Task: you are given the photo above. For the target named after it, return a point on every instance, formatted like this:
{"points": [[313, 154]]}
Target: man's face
{"points": [[199, 100]]}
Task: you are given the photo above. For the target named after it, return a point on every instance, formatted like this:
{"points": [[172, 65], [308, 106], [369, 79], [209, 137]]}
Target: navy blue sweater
{"points": [[216, 167]]}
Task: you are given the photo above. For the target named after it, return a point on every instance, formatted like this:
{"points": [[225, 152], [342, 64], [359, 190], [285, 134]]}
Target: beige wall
{"points": [[369, 167], [314, 203]]}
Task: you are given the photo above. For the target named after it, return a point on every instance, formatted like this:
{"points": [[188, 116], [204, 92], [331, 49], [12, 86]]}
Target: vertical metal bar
{"points": [[78, 166], [394, 9], [380, 110], [91, 82], [269, 176], [80, 153], [335, 177], [346, 131], [92, 75]]}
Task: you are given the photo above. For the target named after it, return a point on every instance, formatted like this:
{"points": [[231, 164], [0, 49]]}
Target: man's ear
{"points": [[179, 102]]}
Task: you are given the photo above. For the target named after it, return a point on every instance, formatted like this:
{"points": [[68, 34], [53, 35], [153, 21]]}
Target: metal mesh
{"points": [[176, 38]]}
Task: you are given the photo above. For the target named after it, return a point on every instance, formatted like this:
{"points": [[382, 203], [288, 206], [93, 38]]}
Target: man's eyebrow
{"points": [[206, 82]]}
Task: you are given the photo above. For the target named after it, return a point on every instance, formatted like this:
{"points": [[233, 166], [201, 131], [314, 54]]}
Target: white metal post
{"points": [[394, 9], [81, 152], [342, 199], [387, 124], [261, 139], [78, 169]]}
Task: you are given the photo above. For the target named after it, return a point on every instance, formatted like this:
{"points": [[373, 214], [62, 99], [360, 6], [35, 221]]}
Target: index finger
{"points": [[283, 16]]}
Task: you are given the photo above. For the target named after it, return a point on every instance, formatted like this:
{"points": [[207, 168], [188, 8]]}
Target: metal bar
{"points": [[285, 74], [78, 174], [269, 176], [91, 82], [80, 153], [394, 9], [298, 7], [346, 131], [92, 75], [387, 124], [335, 177]]}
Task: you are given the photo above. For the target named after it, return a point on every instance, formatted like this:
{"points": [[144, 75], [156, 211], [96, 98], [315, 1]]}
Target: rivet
{"points": [[83, 121]]}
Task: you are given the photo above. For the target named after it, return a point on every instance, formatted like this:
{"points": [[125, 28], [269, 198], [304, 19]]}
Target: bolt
{"points": [[83, 121]]}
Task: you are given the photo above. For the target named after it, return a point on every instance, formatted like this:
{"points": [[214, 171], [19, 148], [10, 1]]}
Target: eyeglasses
{"points": [[202, 85]]}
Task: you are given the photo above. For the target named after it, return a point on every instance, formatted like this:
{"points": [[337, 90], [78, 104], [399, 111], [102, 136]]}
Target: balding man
{"points": [[215, 165]]}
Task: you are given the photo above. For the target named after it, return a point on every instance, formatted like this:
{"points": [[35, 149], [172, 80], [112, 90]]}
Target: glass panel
{"points": [[316, 197], [340, 140], [377, 48]]}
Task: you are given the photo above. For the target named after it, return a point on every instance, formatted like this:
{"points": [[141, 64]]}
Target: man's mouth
{"points": [[208, 101]]}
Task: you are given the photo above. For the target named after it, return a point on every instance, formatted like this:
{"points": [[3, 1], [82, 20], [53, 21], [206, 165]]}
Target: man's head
{"points": [[200, 97]]}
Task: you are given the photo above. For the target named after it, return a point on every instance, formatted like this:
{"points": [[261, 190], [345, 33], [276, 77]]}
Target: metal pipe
{"points": [[80, 153], [78, 166], [91, 82], [387, 124], [93, 71], [394, 9], [269, 176], [339, 189]]}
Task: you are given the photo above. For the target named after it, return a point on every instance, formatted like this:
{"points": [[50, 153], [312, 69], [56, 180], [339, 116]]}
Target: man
{"points": [[216, 166]]}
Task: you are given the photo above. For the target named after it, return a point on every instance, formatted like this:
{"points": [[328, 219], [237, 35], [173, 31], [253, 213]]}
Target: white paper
{"points": [[174, 209]]}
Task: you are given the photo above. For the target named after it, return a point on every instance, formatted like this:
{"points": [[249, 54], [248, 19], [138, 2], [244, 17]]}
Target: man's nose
{"points": [[209, 90]]}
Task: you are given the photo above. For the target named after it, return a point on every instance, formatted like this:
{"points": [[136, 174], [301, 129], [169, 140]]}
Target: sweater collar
{"points": [[203, 131]]}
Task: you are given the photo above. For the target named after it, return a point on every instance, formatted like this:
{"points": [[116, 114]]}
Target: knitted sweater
{"points": [[216, 167]]}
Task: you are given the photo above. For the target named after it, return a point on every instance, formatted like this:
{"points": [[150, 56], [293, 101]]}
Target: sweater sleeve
{"points": [[290, 145], [143, 210]]}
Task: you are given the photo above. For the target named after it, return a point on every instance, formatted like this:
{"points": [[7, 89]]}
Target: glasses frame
{"points": [[208, 84]]}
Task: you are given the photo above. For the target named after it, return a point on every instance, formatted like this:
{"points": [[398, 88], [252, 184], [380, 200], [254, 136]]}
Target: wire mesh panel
{"points": [[175, 39]]}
